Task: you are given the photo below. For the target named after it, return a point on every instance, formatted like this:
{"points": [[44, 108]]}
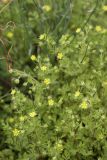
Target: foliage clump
{"points": [[56, 109]]}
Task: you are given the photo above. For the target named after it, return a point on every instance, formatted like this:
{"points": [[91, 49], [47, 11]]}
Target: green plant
{"points": [[56, 109], [60, 110]]}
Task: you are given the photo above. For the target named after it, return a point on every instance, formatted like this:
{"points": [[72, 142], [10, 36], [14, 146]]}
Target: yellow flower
{"points": [[104, 84], [33, 58], [98, 28], [59, 56], [9, 35], [11, 120], [47, 81], [43, 68], [77, 94], [21, 118], [16, 132], [13, 92], [78, 30], [104, 30], [42, 36], [84, 105], [51, 102], [59, 146], [104, 8], [47, 8], [32, 114]]}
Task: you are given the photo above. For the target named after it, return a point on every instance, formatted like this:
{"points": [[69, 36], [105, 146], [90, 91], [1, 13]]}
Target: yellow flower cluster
{"points": [[98, 28], [32, 114], [50, 102], [10, 35], [42, 36], [78, 30], [13, 92], [47, 8], [84, 105], [59, 55], [104, 8], [33, 58], [43, 68], [47, 81], [77, 94], [16, 132], [59, 146]]}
